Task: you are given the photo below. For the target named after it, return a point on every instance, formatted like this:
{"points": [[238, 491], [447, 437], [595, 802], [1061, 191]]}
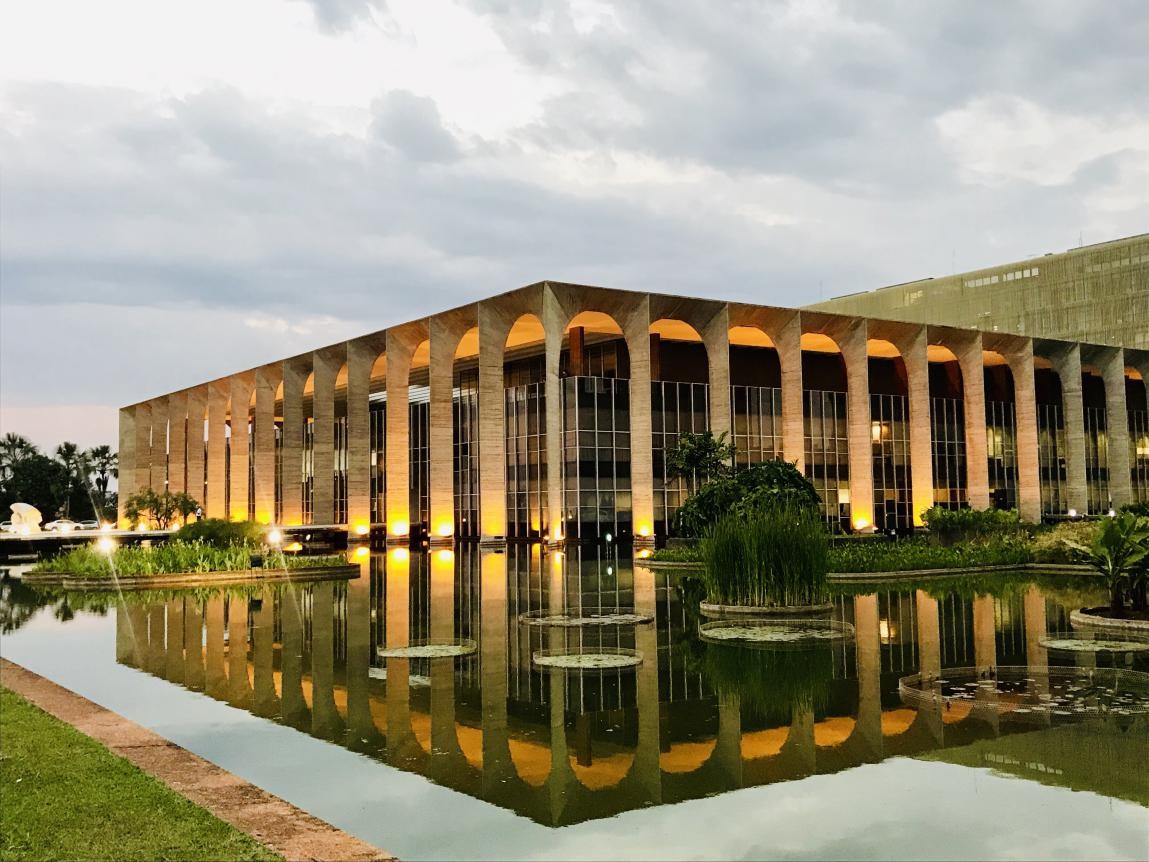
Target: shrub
{"points": [[220, 533], [920, 553], [1056, 544], [773, 555], [956, 525], [1141, 509], [170, 558], [159, 509], [767, 484]]}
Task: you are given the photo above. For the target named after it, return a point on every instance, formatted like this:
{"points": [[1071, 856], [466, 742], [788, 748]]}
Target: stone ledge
{"points": [[270, 820], [1080, 620], [181, 580]]}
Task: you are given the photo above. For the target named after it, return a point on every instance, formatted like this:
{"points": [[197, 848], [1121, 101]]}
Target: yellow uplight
{"points": [[294, 547], [274, 536], [445, 528], [400, 528], [362, 529], [362, 552], [105, 545]]}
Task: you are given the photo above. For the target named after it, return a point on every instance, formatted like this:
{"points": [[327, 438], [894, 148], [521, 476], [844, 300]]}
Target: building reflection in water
{"points": [[566, 747]]}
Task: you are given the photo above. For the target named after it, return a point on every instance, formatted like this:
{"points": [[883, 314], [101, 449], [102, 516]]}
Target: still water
{"points": [[701, 751]]}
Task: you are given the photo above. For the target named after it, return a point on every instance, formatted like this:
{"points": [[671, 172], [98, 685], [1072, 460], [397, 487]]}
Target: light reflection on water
{"points": [[812, 742]]}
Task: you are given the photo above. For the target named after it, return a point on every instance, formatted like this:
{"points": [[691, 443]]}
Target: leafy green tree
{"points": [[1121, 543], [36, 480], [744, 491], [160, 509], [700, 456], [74, 461]]}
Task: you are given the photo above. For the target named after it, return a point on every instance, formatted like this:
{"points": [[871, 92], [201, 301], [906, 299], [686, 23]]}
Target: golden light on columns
{"points": [[399, 528], [361, 529]]}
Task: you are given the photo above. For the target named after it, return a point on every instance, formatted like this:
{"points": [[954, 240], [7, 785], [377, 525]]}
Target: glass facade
{"points": [[947, 441], [1097, 461], [340, 477], [251, 469], [307, 480], [596, 457], [890, 456], [1001, 452], [377, 419], [756, 420], [419, 462], [1139, 454], [278, 482], [526, 460], [827, 451], [465, 453], [1051, 459], [675, 409]]}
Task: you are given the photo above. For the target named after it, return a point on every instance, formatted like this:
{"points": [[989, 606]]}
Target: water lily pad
{"points": [[576, 620], [590, 659], [776, 633], [1088, 644], [431, 649]]}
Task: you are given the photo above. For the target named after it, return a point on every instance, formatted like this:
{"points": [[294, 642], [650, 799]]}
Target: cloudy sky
{"points": [[188, 188]]}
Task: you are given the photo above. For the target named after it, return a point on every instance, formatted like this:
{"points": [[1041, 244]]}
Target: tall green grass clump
{"points": [[769, 556], [171, 558]]}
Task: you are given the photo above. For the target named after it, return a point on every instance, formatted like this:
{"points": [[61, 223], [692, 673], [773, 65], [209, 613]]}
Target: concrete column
{"points": [[294, 705], [174, 671], [444, 339], [728, 744], [1112, 367], [1036, 655], [1020, 360], [984, 633], [291, 454], [399, 352], [196, 411], [553, 326], [193, 644], [971, 359], [263, 656], [914, 353], [126, 483], [788, 342], [159, 459], [327, 366], [215, 683], [401, 742], [238, 684], [497, 766], [360, 359], [143, 459], [637, 331], [216, 449], [444, 741], [647, 766], [1067, 364], [325, 720], [177, 443], [358, 667], [852, 343], [155, 661], [492, 424], [929, 634], [869, 659], [716, 337], [241, 389], [267, 380]]}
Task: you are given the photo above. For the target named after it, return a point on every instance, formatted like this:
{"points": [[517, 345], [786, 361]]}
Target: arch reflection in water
{"points": [[691, 720]]}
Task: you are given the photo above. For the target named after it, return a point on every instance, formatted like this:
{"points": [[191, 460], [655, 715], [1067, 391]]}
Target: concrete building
{"points": [[546, 412], [1096, 293]]}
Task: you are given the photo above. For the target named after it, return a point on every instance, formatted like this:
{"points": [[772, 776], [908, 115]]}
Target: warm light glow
{"points": [[294, 547], [141, 527], [445, 529], [860, 523], [362, 552], [643, 531], [362, 529], [274, 536], [400, 528], [105, 545], [445, 555], [400, 555], [644, 553], [1072, 513], [105, 527], [1112, 513], [886, 630]]}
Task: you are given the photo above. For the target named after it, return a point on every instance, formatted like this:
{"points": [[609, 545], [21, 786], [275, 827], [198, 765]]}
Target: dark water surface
{"points": [[701, 751]]}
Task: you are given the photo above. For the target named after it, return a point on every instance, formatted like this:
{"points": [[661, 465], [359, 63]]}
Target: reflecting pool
{"points": [[699, 748]]}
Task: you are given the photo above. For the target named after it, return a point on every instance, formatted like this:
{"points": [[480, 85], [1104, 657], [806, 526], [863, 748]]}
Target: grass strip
{"points": [[67, 797]]}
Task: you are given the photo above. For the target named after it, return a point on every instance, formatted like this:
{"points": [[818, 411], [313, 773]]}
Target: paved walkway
{"points": [[272, 821]]}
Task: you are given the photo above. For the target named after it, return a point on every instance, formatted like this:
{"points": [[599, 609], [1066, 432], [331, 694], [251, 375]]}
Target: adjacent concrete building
{"points": [[545, 414], [1096, 293]]}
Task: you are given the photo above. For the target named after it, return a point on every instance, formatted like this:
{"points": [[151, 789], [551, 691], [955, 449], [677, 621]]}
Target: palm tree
{"points": [[103, 464], [13, 450], [74, 460]]}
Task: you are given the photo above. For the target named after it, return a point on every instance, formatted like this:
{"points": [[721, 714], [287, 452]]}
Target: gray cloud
{"points": [[779, 153], [334, 17]]}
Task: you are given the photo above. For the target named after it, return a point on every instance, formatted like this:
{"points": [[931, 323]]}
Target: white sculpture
{"points": [[25, 519]]}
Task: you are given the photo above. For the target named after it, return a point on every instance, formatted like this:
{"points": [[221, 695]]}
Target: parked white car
{"points": [[7, 527], [62, 525], [88, 525]]}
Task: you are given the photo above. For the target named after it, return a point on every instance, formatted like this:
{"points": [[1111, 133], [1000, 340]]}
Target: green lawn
{"points": [[65, 796]]}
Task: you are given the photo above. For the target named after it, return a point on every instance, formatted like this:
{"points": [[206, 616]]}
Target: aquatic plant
{"points": [[956, 525], [1120, 544], [170, 558], [772, 555]]}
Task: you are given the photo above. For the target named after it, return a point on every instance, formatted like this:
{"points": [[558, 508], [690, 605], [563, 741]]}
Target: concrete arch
{"points": [[400, 345], [684, 758]]}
